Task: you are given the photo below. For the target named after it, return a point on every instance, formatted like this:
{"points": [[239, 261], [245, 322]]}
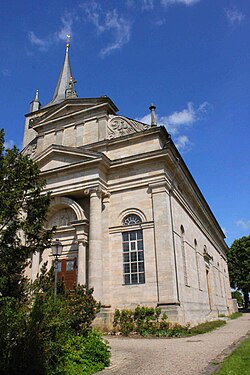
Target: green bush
{"points": [[144, 320], [38, 337], [148, 321], [84, 355], [124, 321]]}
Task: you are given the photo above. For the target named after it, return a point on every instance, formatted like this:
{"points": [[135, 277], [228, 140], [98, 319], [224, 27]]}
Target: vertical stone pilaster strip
{"points": [[35, 265], [166, 268], [81, 275], [95, 243]]}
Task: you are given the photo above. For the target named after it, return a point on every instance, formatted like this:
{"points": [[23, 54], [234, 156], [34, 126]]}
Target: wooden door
{"points": [[67, 271]]}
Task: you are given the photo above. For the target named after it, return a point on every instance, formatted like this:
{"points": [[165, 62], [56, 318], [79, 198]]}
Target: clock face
{"points": [[131, 220]]}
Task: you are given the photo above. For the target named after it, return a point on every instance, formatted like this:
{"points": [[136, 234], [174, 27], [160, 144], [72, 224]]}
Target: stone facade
{"points": [[128, 212]]}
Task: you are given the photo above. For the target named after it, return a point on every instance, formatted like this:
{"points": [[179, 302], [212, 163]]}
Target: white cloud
{"points": [[66, 29], [60, 35], [179, 121], [147, 4], [244, 224], [183, 143], [9, 144], [109, 21], [121, 29], [42, 44], [184, 118], [172, 2], [234, 16]]}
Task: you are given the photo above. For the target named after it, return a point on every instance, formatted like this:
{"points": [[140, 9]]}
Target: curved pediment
{"points": [[119, 126]]}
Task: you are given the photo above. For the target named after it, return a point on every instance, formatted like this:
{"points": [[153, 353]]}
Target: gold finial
{"points": [[68, 41]]}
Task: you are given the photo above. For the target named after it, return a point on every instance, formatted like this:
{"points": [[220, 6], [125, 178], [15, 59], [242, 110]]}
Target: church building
{"points": [[132, 222]]}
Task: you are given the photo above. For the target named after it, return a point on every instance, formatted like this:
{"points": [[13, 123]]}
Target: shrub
{"points": [[144, 320], [148, 321], [35, 338], [124, 321], [84, 355]]}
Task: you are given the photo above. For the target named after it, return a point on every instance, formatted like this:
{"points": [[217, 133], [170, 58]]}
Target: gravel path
{"points": [[182, 356]]}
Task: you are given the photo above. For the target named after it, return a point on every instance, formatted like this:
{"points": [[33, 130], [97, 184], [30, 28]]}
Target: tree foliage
{"points": [[51, 336], [239, 266], [38, 334], [22, 213]]}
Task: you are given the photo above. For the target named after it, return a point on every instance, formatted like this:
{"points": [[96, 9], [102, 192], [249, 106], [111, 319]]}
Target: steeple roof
{"points": [[65, 85]]}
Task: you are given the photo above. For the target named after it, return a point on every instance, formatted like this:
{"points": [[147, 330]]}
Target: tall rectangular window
{"points": [[133, 258]]}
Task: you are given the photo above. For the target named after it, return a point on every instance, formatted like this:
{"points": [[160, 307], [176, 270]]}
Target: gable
{"points": [[59, 156], [69, 108]]}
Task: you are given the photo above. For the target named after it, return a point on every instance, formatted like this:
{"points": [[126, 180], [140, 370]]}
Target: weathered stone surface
{"points": [[101, 167]]}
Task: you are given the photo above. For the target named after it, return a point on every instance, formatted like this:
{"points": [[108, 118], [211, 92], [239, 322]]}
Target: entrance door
{"points": [[67, 271]]}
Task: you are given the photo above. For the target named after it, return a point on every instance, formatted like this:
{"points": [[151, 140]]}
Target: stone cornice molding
{"points": [[159, 187]]}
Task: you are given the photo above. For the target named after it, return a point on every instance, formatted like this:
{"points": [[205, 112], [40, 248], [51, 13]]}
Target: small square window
{"points": [[126, 279], [133, 246], [133, 267], [141, 267], [134, 278], [70, 265], [141, 278], [140, 245], [125, 236], [139, 235], [133, 236], [125, 246], [133, 256], [126, 268], [140, 255], [126, 257]]}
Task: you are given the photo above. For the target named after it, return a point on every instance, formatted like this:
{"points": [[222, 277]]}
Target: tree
{"points": [[38, 334], [239, 266], [23, 210]]}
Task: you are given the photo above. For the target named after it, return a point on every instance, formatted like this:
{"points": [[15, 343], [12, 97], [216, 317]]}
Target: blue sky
{"points": [[190, 57]]}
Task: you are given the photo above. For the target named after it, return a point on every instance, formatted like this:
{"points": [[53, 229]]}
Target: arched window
{"points": [[131, 219], [133, 252]]}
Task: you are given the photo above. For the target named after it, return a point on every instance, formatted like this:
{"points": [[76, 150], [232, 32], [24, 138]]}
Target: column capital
{"points": [[98, 191], [159, 187]]}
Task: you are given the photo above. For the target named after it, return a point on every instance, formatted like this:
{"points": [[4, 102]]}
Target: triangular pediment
{"points": [[60, 156], [70, 108]]}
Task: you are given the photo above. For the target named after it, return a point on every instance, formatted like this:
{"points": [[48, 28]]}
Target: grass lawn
{"points": [[238, 363]]}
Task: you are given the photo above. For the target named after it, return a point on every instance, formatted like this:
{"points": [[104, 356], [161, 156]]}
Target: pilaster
{"points": [[35, 265], [95, 278], [82, 266], [164, 245]]}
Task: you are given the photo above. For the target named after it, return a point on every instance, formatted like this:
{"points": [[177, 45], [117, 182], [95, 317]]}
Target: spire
{"points": [[35, 104], [153, 116], [65, 85]]}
